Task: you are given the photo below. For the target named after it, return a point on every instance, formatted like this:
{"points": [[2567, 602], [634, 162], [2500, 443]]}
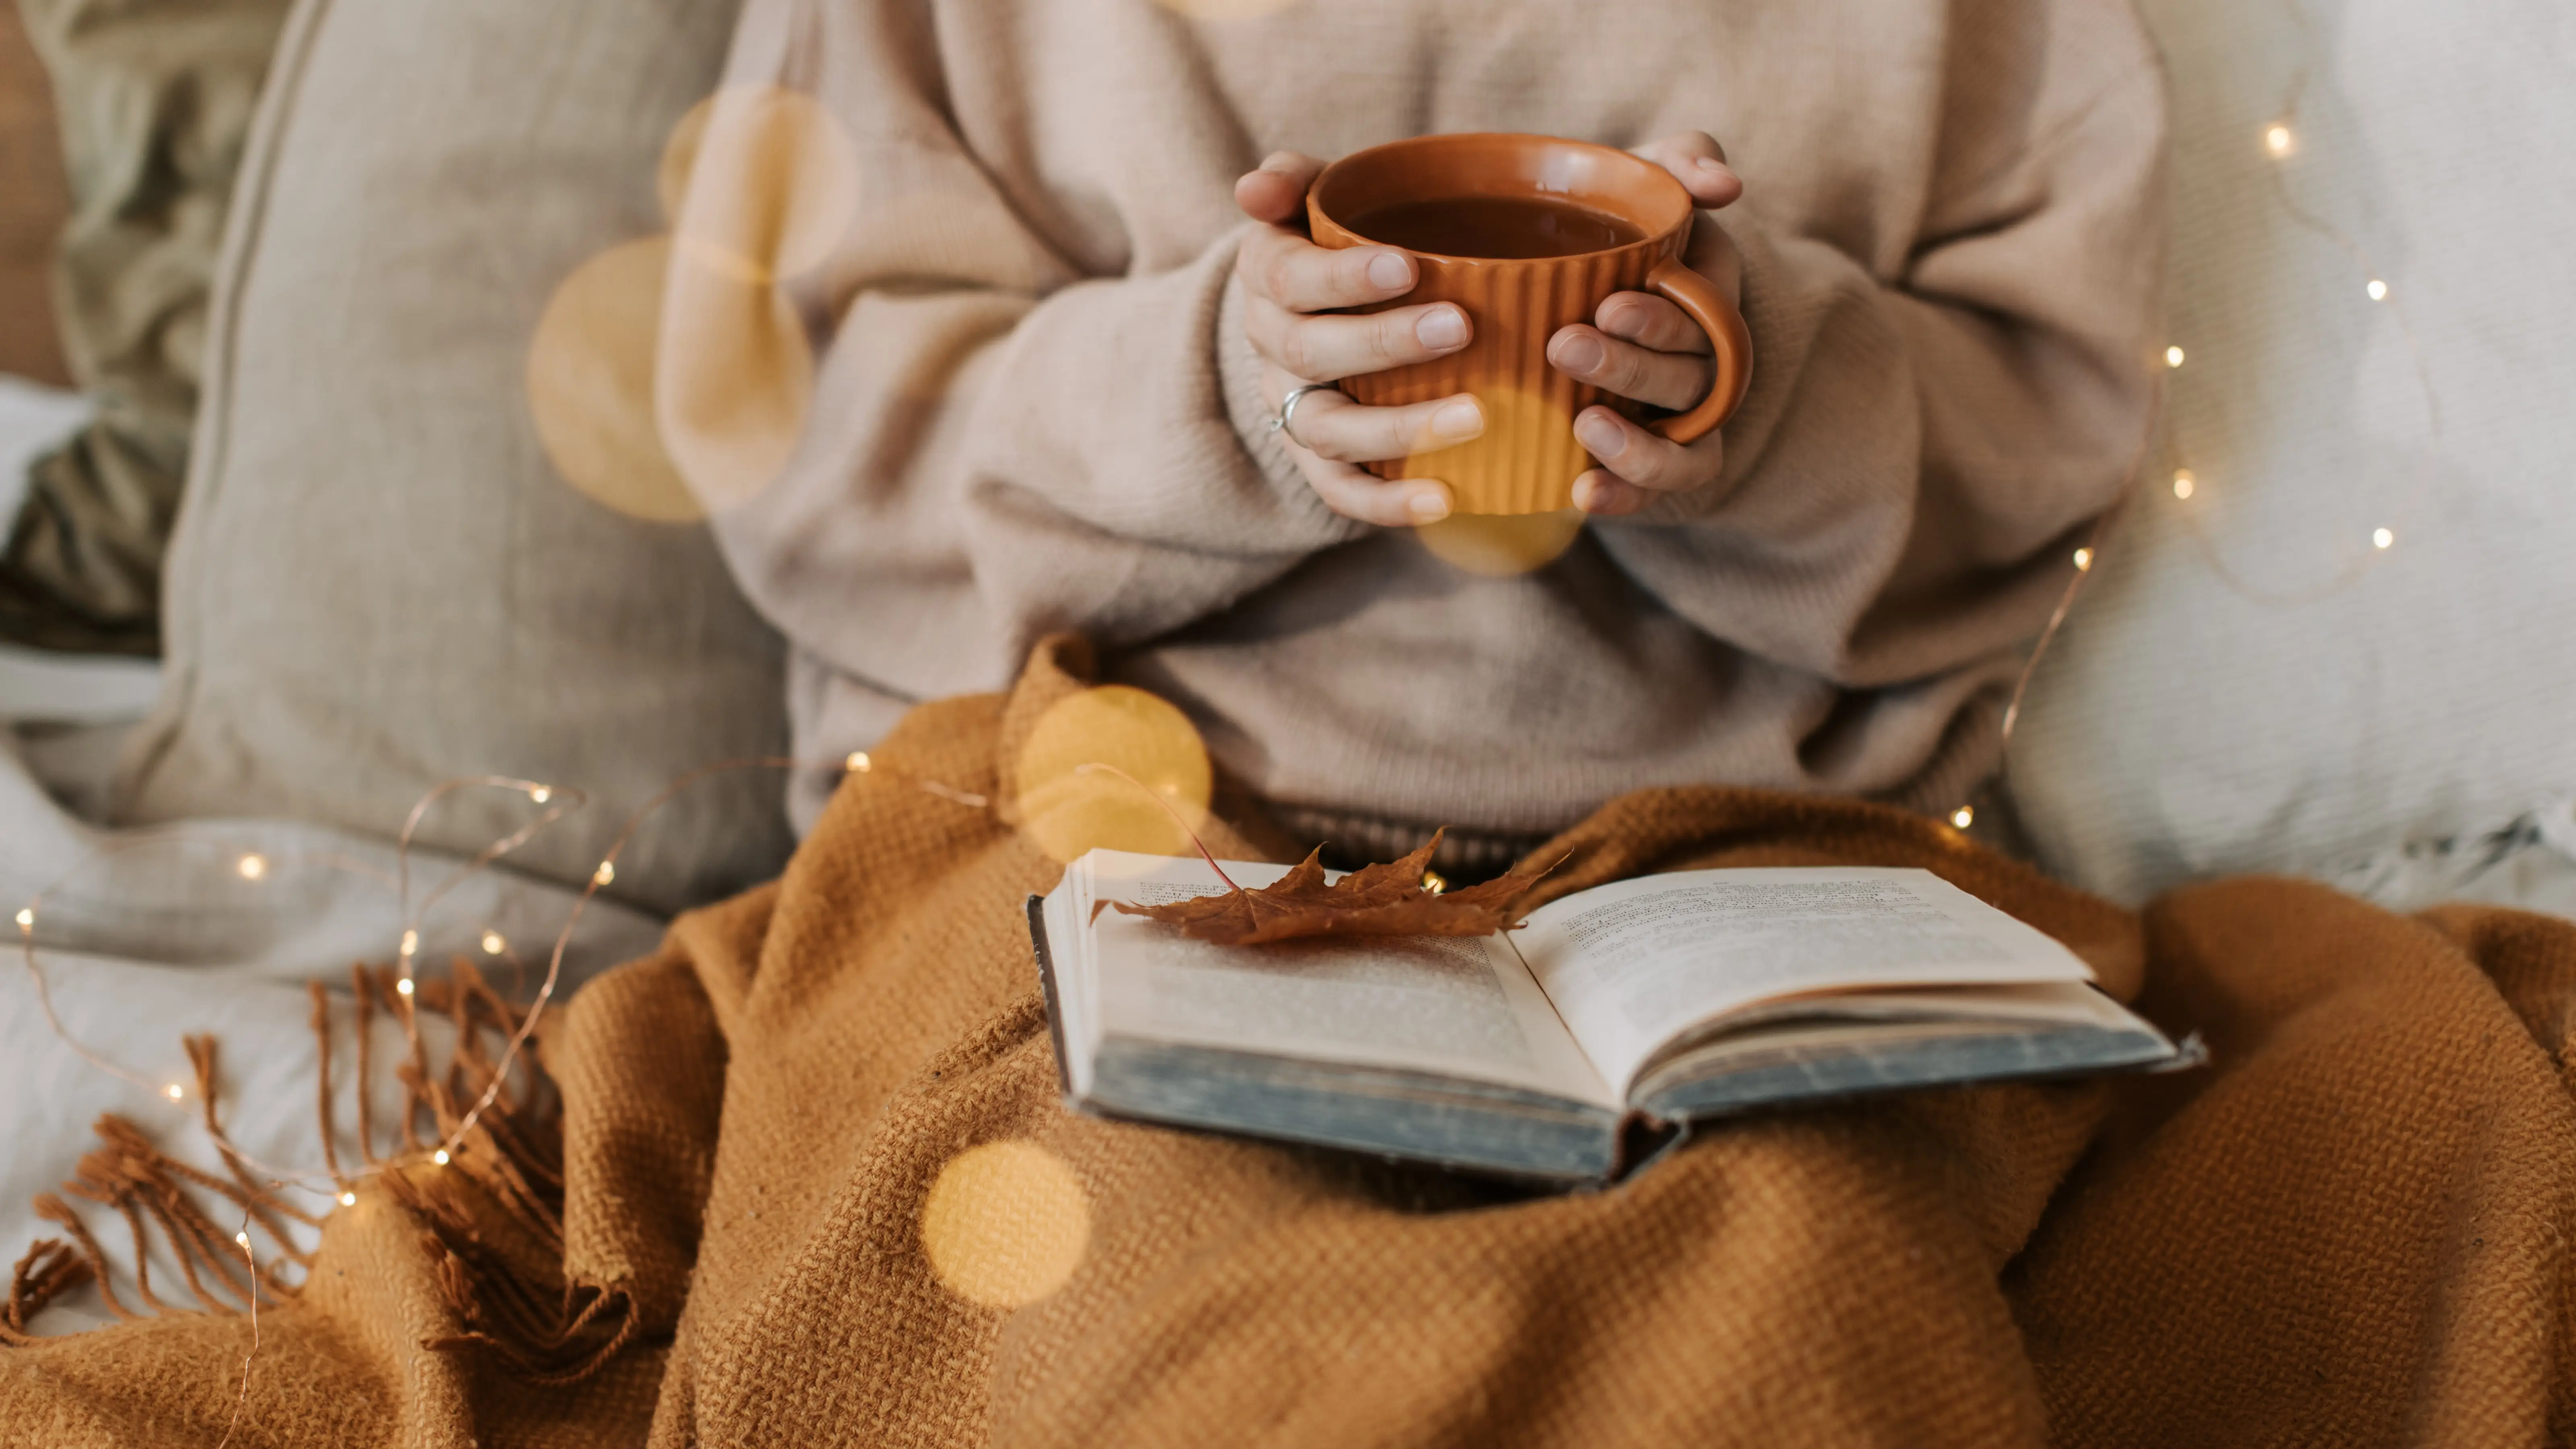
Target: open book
{"points": [[1666, 999]]}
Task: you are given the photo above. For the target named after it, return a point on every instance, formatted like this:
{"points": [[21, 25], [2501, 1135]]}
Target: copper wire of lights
{"points": [[253, 866]]}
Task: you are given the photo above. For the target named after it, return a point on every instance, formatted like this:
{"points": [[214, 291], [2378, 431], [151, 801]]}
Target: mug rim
{"points": [[1439, 139]]}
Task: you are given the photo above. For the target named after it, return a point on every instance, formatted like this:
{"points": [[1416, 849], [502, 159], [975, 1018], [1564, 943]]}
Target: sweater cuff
{"points": [[1238, 370]]}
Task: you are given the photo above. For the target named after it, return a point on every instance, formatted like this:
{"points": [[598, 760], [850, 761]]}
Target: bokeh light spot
{"points": [[1484, 471], [1066, 810], [679, 158], [1223, 10], [1005, 1224], [732, 384], [762, 180], [1500, 545], [590, 384]]}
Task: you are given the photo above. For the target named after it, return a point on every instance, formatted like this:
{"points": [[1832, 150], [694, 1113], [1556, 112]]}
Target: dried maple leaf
{"points": [[1375, 900]]}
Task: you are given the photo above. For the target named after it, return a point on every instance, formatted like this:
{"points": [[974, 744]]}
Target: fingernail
{"points": [[1709, 163], [1440, 327], [1602, 436], [1581, 352], [1390, 270], [1430, 505], [1457, 422]]}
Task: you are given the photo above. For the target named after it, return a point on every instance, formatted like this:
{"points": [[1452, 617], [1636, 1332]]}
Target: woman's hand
{"points": [[1639, 346], [1643, 347], [1286, 280]]}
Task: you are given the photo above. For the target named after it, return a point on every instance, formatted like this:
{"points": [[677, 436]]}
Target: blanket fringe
{"points": [[50, 1269], [554, 1332], [506, 1173]]}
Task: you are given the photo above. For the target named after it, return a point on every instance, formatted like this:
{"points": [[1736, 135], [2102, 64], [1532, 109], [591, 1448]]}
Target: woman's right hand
{"points": [[1287, 281]]}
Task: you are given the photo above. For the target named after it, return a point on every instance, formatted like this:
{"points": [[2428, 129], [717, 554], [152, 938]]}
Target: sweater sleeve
{"points": [[1927, 440], [1004, 439]]}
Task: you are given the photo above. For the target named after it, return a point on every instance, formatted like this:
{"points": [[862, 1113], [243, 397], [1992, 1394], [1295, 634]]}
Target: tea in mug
{"points": [[1504, 228]]}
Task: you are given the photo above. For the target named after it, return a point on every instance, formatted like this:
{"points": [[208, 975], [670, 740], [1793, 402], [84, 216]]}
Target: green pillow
{"points": [[155, 100]]}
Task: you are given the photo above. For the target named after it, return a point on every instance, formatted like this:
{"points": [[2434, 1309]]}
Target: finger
{"points": [[1640, 457], [1650, 321], [1333, 427], [1675, 380], [1713, 254], [1604, 494], [1323, 349], [1275, 191], [1400, 503], [1699, 164], [1284, 267]]}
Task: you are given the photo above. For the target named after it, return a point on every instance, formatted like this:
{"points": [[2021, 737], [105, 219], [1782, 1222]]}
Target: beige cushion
{"points": [[380, 581]]}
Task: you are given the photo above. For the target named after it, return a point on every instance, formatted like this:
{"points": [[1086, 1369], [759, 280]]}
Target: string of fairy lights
{"points": [[2279, 141], [252, 866], [554, 803]]}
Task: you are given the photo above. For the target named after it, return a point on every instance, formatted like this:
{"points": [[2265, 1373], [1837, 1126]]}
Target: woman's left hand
{"points": [[1642, 347]]}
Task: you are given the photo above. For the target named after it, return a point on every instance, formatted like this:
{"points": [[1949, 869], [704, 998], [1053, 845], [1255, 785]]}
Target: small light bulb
{"points": [[242, 1238], [410, 944], [2278, 140], [541, 794], [2381, 538], [2083, 560], [1964, 816], [858, 763], [607, 872], [2182, 483], [493, 945], [1434, 882], [2173, 357], [2377, 289], [27, 918], [439, 1157], [252, 867], [348, 1199], [174, 1091], [403, 986]]}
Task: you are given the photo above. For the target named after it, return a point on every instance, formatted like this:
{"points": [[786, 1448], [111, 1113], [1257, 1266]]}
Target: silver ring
{"points": [[1288, 408]]}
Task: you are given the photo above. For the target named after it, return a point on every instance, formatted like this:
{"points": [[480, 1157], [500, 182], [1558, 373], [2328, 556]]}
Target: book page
{"points": [[1634, 964], [1455, 1006]]}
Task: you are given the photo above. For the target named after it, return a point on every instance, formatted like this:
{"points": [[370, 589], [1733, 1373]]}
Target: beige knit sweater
{"points": [[1035, 412]]}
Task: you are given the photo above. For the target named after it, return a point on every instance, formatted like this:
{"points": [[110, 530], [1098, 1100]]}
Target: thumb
{"points": [[1696, 161], [1275, 192]]}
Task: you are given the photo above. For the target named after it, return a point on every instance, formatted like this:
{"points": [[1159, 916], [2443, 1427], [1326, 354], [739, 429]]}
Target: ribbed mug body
{"points": [[1528, 458]]}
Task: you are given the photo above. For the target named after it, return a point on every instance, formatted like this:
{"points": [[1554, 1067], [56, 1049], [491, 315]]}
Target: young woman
{"points": [[1075, 295]]}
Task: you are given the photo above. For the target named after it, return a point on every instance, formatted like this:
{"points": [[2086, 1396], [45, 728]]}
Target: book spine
{"points": [[1046, 985]]}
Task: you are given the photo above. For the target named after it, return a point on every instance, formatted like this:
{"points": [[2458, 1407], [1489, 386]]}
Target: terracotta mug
{"points": [[1632, 221]]}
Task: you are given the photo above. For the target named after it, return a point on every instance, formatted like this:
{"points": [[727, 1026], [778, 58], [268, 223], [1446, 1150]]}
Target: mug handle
{"points": [[1698, 296]]}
